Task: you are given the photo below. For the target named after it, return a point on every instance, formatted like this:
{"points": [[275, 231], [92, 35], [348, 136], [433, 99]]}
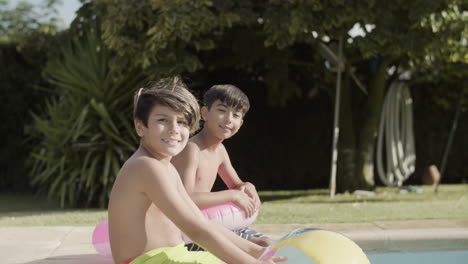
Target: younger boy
{"points": [[149, 206], [205, 157]]}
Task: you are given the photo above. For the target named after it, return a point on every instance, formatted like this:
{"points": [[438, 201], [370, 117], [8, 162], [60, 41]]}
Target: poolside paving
{"points": [[72, 245]]}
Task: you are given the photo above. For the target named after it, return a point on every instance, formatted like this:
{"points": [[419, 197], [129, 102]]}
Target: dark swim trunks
{"points": [[245, 233]]}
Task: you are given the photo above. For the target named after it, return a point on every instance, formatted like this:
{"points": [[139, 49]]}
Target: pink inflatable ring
{"points": [[228, 214]]}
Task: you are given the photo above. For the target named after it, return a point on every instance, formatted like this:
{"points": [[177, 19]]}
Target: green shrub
{"points": [[18, 80], [86, 130]]}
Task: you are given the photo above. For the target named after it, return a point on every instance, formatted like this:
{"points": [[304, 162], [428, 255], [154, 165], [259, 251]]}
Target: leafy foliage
{"points": [[149, 31], [274, 44], [277, 43], [26, 33], [179, 36], [18, 98], [86, 131], [25, 18]]}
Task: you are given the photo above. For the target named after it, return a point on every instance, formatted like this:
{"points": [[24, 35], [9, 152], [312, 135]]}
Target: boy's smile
{"points": [[222, 120], [172, 142], [167, 132], [226, 128]]}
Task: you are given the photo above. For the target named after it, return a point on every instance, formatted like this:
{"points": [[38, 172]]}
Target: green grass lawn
{"points": [[278, 207]]}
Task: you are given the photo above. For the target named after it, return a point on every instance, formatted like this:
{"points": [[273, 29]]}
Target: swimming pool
{"points": [[415, 252], [430, 257]]}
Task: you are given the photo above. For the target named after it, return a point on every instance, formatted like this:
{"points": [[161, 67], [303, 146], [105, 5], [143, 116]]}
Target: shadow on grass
{"points": [[268, 196], [322, 196], [305, 200]]}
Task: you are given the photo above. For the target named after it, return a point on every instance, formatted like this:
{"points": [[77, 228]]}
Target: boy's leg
{"points": [[254, 236]]}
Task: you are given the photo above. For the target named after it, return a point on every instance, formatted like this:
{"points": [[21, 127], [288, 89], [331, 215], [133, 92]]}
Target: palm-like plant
{"points": [[86, 131]]}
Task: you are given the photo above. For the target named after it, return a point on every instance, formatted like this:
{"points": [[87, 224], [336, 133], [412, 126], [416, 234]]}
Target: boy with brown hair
{"points": [[149, 205], [205, 157]]}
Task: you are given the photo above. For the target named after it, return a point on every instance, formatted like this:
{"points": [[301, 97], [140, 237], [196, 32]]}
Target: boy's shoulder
{"points": [[192, 148], [192, 145], [190, 153], [221, 148], [140, 160], [195, 147], [142, 165]]}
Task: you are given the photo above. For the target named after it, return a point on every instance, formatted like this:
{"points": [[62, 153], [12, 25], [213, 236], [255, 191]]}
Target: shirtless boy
{"points": [[205, 157], [148, 204]]}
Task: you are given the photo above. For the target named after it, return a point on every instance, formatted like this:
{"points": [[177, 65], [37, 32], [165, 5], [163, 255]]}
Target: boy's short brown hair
{"points": [[170, 92], [228, 94]]}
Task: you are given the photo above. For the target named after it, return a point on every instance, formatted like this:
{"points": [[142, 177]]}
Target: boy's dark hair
{"points": [[228, 94], [170, 92]]}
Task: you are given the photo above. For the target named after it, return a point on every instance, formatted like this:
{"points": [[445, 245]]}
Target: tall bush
{"points": [[85, 130], [18, 97], [26, 31]]}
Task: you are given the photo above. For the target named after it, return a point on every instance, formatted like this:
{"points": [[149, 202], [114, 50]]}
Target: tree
{"points": [[26, 34], [84, 132], [399, 34], [25, 18], [278, 42]]}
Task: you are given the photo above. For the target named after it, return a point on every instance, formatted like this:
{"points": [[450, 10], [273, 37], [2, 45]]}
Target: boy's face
{"points": [[167, 132], [222, 120]]}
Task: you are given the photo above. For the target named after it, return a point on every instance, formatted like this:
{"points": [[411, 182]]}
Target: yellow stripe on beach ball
{"points": [[326, 247]]}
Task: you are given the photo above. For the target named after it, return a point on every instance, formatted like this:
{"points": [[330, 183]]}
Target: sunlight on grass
{"points": [[315, 206], [278, 207], [57, 218]]}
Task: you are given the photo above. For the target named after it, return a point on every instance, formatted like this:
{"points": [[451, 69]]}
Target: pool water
{"points": [[429, 257], [415, 252]]}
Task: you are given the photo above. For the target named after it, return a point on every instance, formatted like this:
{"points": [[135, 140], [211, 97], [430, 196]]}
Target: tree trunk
{"points": [[369, 129], [346, 180]]}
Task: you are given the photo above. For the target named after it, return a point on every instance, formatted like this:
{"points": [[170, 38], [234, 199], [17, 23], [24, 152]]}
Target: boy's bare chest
{"points": [[207, 169]]}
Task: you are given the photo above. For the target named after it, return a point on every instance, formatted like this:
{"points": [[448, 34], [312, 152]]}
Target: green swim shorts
{"points": [[176, 255]]}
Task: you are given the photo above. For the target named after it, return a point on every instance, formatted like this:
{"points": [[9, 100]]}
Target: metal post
{"points": [[452, 134], [336, 119]]}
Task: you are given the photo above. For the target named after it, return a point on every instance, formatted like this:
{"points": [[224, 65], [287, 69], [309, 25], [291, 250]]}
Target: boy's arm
{"points": [[186, 164], [229, 175], [247, 246], [207, 199], [157, 183]]}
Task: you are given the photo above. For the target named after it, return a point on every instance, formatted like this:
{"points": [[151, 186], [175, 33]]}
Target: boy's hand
{"points": [[249, 188], [246, 203]]}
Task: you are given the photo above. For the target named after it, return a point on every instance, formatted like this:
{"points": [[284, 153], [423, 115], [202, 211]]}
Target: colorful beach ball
{"points": [[317, 246], [101, 239]]}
